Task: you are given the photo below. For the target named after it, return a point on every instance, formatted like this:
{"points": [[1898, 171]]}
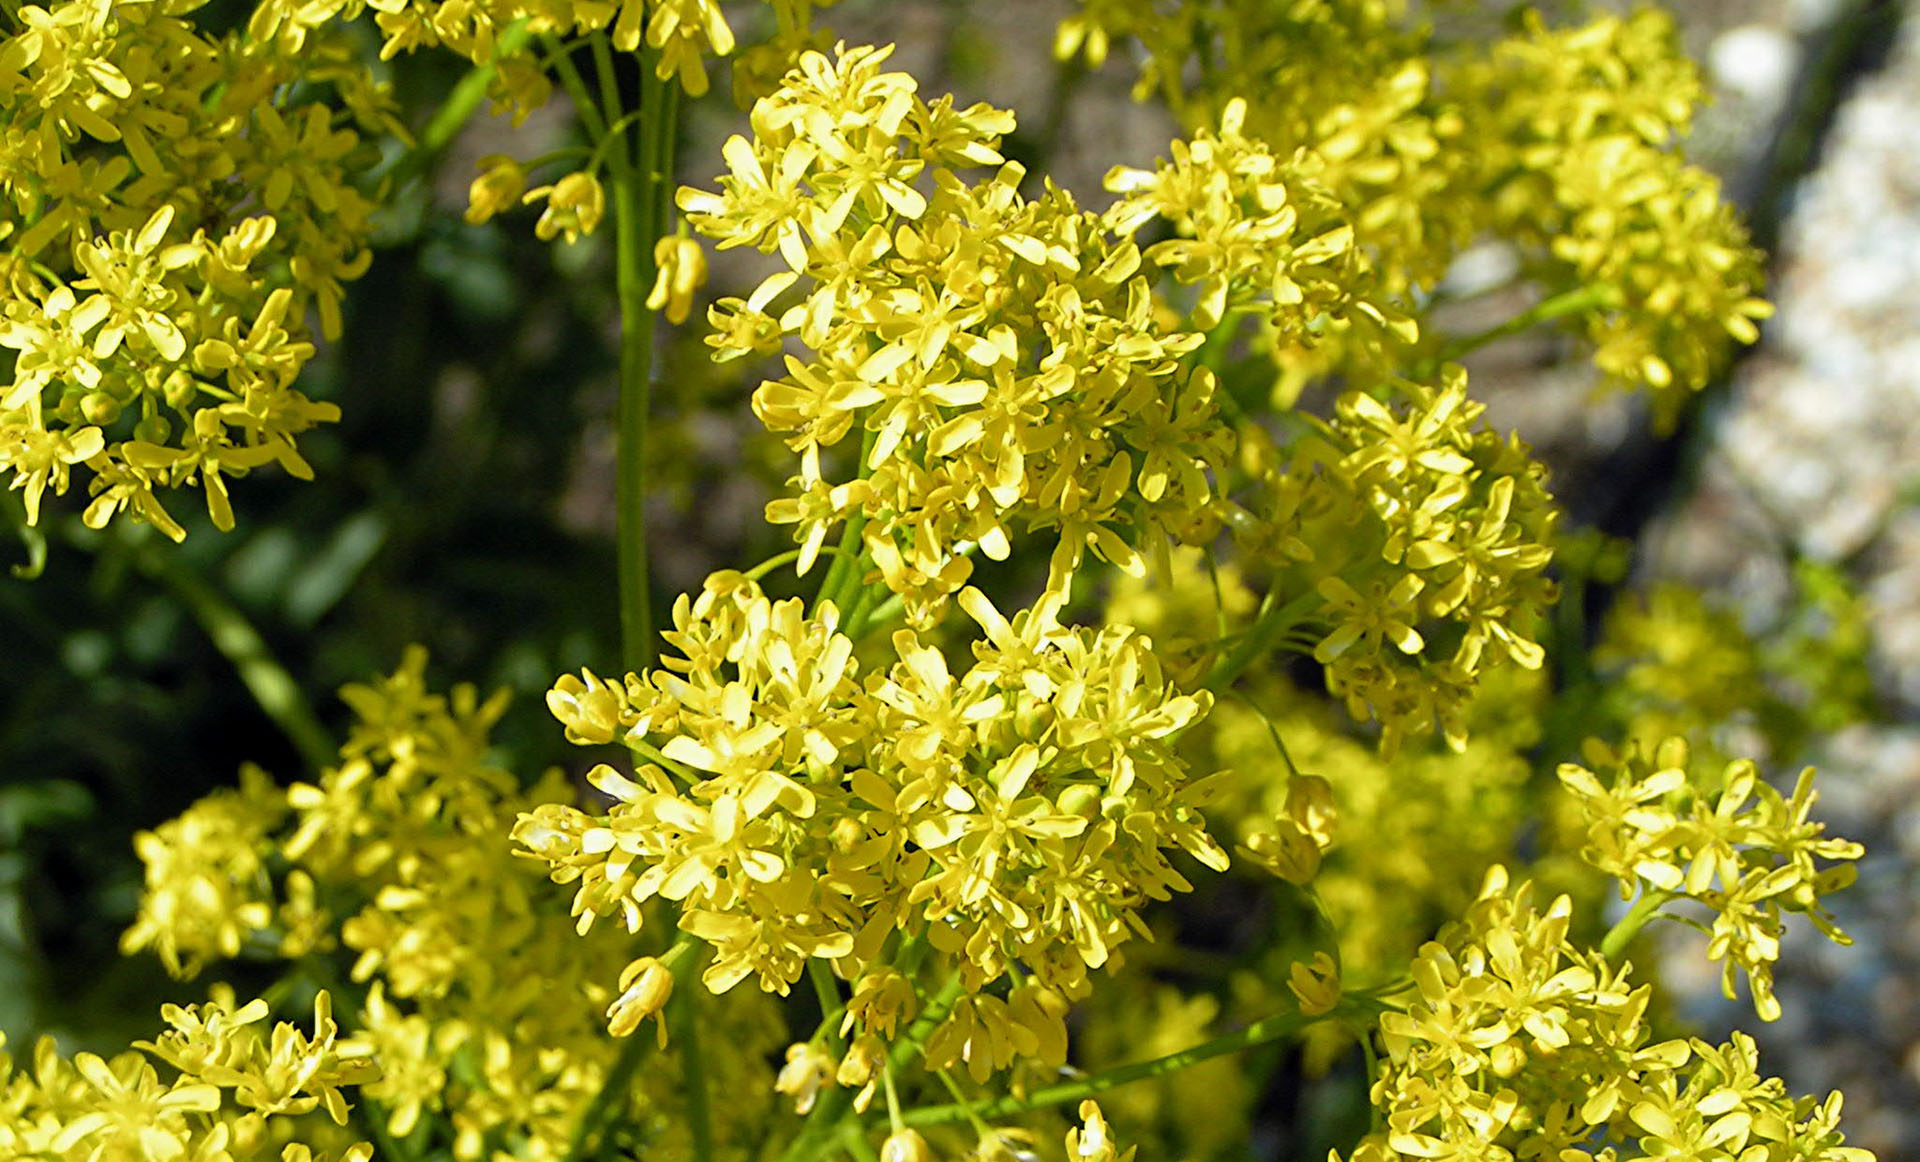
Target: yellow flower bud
{"points": [[646, 985], [1289, 852], [575, 205], [682, 267], [1316, 985], [1092, 1140], [862, 1066], [496, 190], [905, 1146], [807, 1071]]}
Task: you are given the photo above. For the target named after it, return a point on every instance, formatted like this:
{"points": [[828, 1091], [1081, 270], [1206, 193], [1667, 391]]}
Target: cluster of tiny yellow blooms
{"points": [[1415, 541], [964, 334], [474, 995], [1260, 232], [1390, 845], [1003, 359], [961, 844], [1518, 1044], [177, 205], [1675, 665], [1557, 140], [1588, 114], [238, 1091], [1733, 844], [680, 35], [1016, 814]]}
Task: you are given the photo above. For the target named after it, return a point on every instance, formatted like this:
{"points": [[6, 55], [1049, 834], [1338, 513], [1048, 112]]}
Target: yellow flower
{"points": [[1316, 985], [807, 1070], [575, 205], [905, 1146], [682, 264], [646, 985], [496, 190]]}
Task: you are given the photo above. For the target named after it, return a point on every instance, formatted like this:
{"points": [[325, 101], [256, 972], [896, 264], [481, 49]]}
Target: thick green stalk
{"points": [[685, 1011], [640, 202], [1614, 944], [613, 1087], [633, 272]]}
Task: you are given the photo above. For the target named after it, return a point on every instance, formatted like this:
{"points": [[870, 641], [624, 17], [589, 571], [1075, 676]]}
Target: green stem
{"points": [[850, 564], [583, 103], [234, 636], [1259, 1033], [686, 1030], [1621, 934], [828, 993], [1573, 302], [787, 558], [1274, 620], [960, 1099], [636, 204]]}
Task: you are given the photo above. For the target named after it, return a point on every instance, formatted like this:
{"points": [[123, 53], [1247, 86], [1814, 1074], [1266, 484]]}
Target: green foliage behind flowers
{"points": [[1134, 710]]}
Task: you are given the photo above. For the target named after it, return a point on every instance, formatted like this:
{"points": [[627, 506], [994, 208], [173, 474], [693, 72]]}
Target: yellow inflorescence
{"points": [[481, 1004], [1733, 844], [950, 822], [999, 362], [1558, 140], [1517, 1044], [1016, 813], [174, 216], [237, 1089]]}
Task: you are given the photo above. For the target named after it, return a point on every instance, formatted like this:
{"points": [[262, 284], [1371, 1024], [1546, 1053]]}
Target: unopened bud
{"points": [[905, 1146], [575, 205], [646, 985], [682, 268], [496, 190]]}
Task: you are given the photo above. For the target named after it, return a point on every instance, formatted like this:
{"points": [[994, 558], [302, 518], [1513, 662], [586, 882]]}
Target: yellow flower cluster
{"points": [[1392, 845], [1517, 1044], [679, 34], [1258, 231], [1674, 664], [1015, 815], [178, 206], [1733, 844], [484, 1006], [208, 888], [1418, 541], [1584, 119], [1361, 116], [1558, 140], [236, 1092], [1002, 358]]}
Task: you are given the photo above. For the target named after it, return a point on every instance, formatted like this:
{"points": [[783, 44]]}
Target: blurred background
{"points": [[465, 501]]}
